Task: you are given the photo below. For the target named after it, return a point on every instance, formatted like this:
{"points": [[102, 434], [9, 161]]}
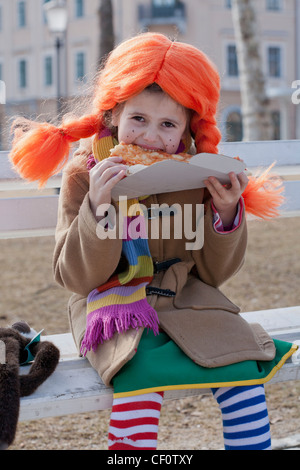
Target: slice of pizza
{"points": [[135, 155]]}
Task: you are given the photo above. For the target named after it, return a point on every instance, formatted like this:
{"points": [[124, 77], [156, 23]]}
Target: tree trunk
{"points": [[257, 121], [106, 36]]}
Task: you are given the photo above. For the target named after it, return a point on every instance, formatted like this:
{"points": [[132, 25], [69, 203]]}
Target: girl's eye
{"points": [[168, 124], [138, 118]]}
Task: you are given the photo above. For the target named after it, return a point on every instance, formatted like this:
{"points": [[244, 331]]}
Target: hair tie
{"points": [[66, 136]]}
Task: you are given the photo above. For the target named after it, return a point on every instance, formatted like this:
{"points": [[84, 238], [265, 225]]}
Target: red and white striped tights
{"points": [[134, 422]]}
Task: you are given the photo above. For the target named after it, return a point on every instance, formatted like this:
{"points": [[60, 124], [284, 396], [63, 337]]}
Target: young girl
{"points": [[147, 312]]}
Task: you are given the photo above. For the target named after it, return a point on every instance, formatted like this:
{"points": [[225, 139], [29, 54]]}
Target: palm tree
{"points": [[257, 121], [107, 37]]}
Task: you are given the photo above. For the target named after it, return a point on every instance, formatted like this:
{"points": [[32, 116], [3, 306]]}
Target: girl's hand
{"points": [[103, 177], [225, 198]]}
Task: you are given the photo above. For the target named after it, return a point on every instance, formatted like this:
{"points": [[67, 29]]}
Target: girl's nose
{"points": [[150, 134]]}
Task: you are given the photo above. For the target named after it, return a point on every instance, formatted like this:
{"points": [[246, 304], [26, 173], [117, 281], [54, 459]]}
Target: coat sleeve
{"points": [[82, 261], [222, 254]]}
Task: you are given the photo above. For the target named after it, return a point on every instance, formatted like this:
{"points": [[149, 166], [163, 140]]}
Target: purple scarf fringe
{"points": [[102, 324]]}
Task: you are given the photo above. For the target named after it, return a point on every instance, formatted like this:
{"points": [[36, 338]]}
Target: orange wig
{"points": [[182, 71]]}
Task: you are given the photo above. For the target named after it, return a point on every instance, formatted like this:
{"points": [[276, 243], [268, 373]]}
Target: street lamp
{"points": [[57, 18]]}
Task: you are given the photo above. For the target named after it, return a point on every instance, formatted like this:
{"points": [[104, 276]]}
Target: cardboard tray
{"points": [[171, 175]]}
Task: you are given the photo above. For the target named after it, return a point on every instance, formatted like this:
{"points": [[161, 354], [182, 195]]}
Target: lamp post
{"points": [[57, 18]]}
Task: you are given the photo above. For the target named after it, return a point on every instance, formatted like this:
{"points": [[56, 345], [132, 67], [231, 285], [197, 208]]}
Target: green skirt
{"points": [[159, 365]]}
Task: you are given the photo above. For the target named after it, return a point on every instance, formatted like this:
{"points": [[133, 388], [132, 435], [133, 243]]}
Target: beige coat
{"points": [[200, 319]]}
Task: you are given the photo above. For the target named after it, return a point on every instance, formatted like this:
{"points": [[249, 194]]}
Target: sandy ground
{"points": [[269, 278]]}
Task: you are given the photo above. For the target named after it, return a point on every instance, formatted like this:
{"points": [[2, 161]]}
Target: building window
{"points": [[44, 13], [276, 120], [274, 5], [80, 66], [22, 14], [234, 127], [22, 73], [274, 62], [164, 3], [232, 62], [79, 8], [48, 71], [228, 4]]}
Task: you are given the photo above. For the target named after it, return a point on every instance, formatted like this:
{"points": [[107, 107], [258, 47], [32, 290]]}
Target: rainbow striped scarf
{"points": [[121, 304]]}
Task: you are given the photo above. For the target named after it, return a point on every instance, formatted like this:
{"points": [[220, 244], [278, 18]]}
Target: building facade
{"points": [[29, 66]]}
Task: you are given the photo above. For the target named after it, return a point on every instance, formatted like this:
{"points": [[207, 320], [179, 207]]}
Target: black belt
{"points": [[164, 265], [158, 267], [150, 290]]}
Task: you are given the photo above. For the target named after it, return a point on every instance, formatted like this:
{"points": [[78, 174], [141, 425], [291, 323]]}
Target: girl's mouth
{"points": [[148, 147]]}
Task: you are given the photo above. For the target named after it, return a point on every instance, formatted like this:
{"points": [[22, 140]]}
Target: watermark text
{"points": [[162, 221]]}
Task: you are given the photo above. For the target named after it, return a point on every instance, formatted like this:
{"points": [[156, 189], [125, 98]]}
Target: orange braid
{"points": [[42, 151], [207, 135]]}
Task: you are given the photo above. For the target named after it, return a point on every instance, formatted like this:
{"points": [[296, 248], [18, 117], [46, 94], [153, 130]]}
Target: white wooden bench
{"points": [[75, 387]]}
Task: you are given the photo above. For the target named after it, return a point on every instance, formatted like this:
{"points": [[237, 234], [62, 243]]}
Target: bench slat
{"points": [[276, 320], [67, 391], [26, 216], [292, 195], [264, 153]]}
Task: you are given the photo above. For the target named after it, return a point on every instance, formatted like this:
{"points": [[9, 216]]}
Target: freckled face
{"points": [[151, 120]]}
